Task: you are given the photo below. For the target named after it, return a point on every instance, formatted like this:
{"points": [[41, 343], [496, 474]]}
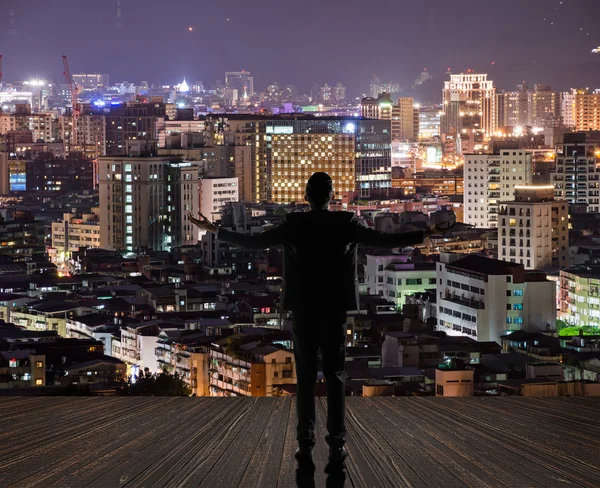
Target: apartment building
{"points": [[483, 298], [581, 109], [579, 295], [533, 229], [145, 199], [216, 193], [74, 232], [407, 279], [490, 179], [43, 126], [577, 174], [255, 370]]}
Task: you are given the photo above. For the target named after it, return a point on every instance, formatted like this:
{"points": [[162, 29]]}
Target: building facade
{"points": [[405, 120], [215, 193], [581, 109], [483, 298], [469, 101], [144, 200], [577, 175], [490, 179], [407, 279], [579, 296], [75, 232], [534, 229]]}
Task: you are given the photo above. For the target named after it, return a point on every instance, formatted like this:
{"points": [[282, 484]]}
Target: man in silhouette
{"points": [[319, 287]]}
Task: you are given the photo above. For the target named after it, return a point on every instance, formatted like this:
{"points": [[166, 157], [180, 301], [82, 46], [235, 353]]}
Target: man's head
{"points": [[319, 190]]}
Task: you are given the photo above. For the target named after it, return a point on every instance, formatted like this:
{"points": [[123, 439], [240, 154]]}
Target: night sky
{"points": [[308, 41]]}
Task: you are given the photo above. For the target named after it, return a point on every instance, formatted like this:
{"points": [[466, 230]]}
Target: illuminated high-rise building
{"points": [[377, 88], [581, 109], [429, 122], [145, 199], [540, 107], [533, 229], [287, 150], [325, 93], [577, 174], [490, 179], [405, 120], [339, 92], [469, 103]]}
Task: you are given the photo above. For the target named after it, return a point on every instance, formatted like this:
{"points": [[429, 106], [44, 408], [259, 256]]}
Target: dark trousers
{"points": [[314, 330]]}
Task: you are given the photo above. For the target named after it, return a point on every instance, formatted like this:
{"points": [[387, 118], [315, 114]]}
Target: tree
{"points": [[152, 384], [233, 347]]}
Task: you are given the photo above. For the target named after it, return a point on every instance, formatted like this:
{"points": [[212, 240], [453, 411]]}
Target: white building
{"points": [[407, 279], [490, 179], [469, 99], [577, 174], [533, 229], [483, 298], [375, 274], [165, 128], [144, 199], [215, 193], [75, 232]]}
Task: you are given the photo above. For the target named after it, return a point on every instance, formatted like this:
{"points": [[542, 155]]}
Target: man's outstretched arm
{"points": [[369, 237], [269, 238]]}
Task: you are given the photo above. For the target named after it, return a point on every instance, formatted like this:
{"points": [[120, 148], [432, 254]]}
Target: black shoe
{"points": [[303, 453], [337, 454]]}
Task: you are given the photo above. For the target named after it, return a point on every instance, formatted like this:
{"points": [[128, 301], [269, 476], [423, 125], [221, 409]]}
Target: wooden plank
{"points": [[369, 463], [264, 464], [116, 453], [56, 438], [287, 467], [521, 432], [250, 442], [156, 462], [408, 445]]}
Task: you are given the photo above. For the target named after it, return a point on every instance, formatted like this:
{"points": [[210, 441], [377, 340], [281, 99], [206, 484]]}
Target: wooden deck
{"points": [[249, 442]]}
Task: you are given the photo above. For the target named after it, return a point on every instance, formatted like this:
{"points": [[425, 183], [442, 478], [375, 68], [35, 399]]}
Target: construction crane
{"points": [[0, 68], [76, 110]]}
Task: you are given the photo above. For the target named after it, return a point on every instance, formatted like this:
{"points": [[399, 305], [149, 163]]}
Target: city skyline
{"points": [[312, 45]]}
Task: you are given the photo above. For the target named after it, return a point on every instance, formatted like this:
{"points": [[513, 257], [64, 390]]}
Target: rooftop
{"points": [[249, 442]]}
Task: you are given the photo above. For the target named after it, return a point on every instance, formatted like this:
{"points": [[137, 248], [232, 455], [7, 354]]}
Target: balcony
{"points": [[249, 442], [463, 300]]}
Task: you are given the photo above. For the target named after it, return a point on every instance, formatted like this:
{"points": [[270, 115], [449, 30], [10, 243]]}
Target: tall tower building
{"points": [[339, 92], [469, 102], [577, 174], [286, 150], [581, 109], [534, 229], [405, 120], [242, 81], [144, 199], [490, 179]]}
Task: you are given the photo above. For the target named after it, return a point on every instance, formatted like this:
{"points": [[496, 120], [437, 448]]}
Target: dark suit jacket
{"points": [[319, 260]]}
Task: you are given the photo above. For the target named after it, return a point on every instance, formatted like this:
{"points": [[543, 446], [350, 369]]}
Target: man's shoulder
{"points": [[335, 216]]}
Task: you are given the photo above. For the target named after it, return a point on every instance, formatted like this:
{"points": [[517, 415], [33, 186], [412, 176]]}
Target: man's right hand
{"points": [[202, 223]]}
